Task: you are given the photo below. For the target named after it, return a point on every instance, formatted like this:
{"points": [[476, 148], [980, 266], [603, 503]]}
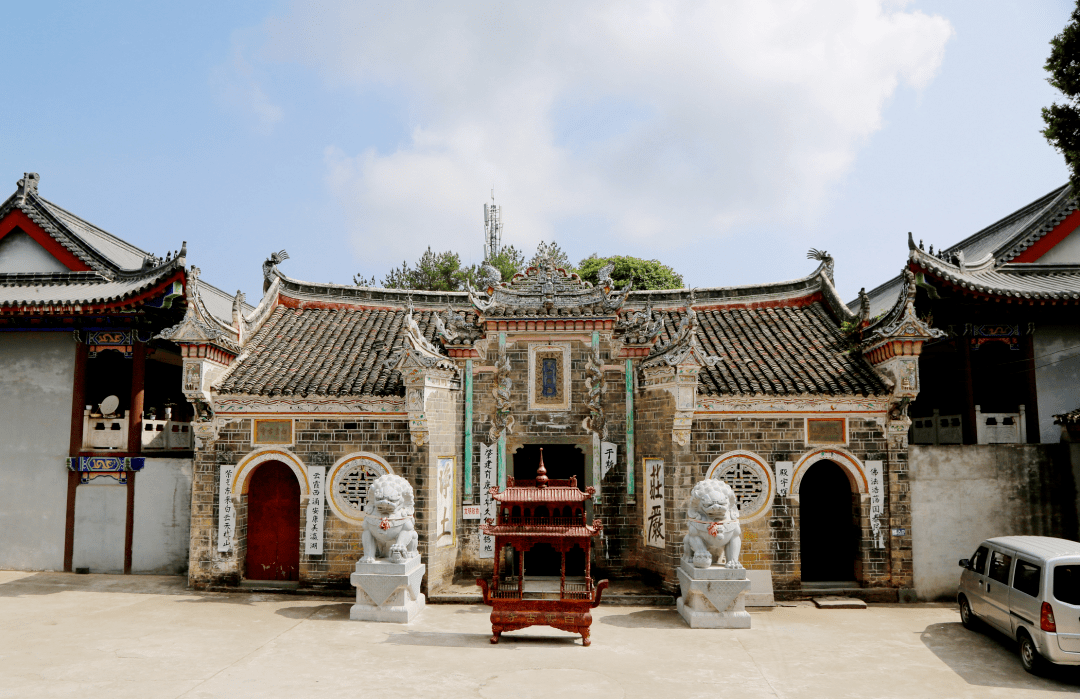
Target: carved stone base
{"points": [[713, 598], [388, 591]]}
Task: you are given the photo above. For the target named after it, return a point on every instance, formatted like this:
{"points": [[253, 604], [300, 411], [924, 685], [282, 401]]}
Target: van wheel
{"points": [[967, 617], [1029, 655]]}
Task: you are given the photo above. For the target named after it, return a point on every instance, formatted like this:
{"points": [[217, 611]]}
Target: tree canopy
{"points": [[646, 274], [443, 271], [1063, 120]]}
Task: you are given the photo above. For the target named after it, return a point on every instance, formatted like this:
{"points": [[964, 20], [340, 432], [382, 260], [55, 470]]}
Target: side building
{"points": [[98, 444], [1000, 385], [637, 395]]}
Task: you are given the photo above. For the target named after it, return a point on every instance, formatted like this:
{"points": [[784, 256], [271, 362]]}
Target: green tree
{"points": [[509, 262], [1063, 120], [646, 274], [553, 251], [433, 272]]}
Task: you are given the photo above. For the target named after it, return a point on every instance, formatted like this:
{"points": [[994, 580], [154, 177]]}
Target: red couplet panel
{"points": [[273, 540]]}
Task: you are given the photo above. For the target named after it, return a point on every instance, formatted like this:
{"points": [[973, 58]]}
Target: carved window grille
{"points": [[747, 481], [351, 486]]}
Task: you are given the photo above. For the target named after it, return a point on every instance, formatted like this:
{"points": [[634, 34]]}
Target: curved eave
{"points": [[295, 293], [91, 298], [1022, 283]]}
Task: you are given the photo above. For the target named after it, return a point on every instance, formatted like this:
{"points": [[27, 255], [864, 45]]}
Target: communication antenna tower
{"points": [[492, 228]]}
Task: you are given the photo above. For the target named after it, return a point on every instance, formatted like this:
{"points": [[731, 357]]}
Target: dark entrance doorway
{"points": [[273, 539], [827, 528], [561, 461]]}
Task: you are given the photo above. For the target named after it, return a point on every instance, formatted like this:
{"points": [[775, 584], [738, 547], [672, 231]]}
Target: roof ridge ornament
{"points": [[275, 259], [27, 185], [545, 289], [826, 261], [683, 344]]}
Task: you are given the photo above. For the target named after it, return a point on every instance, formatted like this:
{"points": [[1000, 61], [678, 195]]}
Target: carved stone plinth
{"points": [[713, 598], [388, 591]]}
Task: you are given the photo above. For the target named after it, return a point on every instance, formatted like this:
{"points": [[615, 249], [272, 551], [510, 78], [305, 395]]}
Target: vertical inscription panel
{"points": [[654, 503]]}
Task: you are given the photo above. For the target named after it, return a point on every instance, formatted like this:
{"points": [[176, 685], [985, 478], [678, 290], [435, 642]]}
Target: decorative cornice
{"points": [[234, 405]]}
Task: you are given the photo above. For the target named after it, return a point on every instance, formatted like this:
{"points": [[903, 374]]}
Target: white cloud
{"points": [[239, 87], [607, 125]]}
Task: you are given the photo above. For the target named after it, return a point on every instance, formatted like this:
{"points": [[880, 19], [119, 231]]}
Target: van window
{"points": [[1067, 584], [999, 567], [978, 561], [1026, 578]]}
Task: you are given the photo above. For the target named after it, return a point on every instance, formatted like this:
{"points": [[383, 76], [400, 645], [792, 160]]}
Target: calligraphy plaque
{"points": [[826, 430], [313, 530], [273, 432], [489, 478], [226, 512], [608, 457], [654, 503], [875, 483], [784, 469], [444, 500]]}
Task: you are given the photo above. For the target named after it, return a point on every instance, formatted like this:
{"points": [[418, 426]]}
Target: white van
{"points": [[1029, 588]]}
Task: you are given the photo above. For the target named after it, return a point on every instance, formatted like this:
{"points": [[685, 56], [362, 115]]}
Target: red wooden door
{"points": [[273, 531]]}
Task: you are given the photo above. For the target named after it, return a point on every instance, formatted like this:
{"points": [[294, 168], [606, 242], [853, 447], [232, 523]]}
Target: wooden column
{"points": [[1031, 407], [138, 379], [78, 400], [134, 445], [967, 422]]}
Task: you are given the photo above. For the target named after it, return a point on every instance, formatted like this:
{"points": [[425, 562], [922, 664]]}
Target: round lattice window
{"points": [[750, 480], [349, 485]]}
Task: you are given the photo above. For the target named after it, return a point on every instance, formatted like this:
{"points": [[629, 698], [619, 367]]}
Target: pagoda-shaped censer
{"points": [[541, 511]]}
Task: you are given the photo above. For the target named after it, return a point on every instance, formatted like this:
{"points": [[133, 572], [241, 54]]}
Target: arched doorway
{"points": [[273, 524], [827, 530]]}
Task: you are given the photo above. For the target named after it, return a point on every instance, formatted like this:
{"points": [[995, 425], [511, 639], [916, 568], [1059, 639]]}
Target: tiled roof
{"points": [[70, 288], [778, 350], [324, 352], [987, 255], [1070, 418]]}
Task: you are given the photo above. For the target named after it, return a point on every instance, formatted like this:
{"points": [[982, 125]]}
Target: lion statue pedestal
{"points": [[387, 578], [713, 593]]}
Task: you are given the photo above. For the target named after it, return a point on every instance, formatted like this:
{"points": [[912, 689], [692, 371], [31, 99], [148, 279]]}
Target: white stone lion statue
{"points": [[712, 518], [389, 531]]}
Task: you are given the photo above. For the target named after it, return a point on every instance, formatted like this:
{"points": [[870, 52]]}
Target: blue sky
{"points": [[724, 139]]}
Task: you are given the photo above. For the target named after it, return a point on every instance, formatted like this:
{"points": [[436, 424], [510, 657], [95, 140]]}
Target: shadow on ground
{"points": [[476, 640], [647, 619], [322, 612], [989, 659], [50, 583]]}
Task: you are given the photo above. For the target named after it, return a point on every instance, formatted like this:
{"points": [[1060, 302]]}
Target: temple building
{"points": [[994, 429], [779, 389], [96, 432]]}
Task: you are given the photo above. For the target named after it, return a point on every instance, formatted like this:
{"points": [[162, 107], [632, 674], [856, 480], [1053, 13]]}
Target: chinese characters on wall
{"points": [[226, 512], [877, 501], [313, 536], [489, 478], [444, 500], [654, 503], [783, 477], [608, 454]]}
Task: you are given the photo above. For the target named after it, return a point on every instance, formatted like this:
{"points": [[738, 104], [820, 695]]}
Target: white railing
{"points": [[1000, 428], [101, 433], [111, 434], [167, 435], [939, 429]]}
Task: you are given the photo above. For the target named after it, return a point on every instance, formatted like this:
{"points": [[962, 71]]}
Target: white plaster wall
{"points": [[963, 494], [35, 427], [21, 253], [1067, 252], [1057, 375], [100, 516], [162, 517]]}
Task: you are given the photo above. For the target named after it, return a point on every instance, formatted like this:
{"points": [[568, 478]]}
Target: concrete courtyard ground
{"points": [[86, 636]]}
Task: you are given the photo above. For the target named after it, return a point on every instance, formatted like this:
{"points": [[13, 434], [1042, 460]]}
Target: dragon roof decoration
{"points": [[547, 290]]}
